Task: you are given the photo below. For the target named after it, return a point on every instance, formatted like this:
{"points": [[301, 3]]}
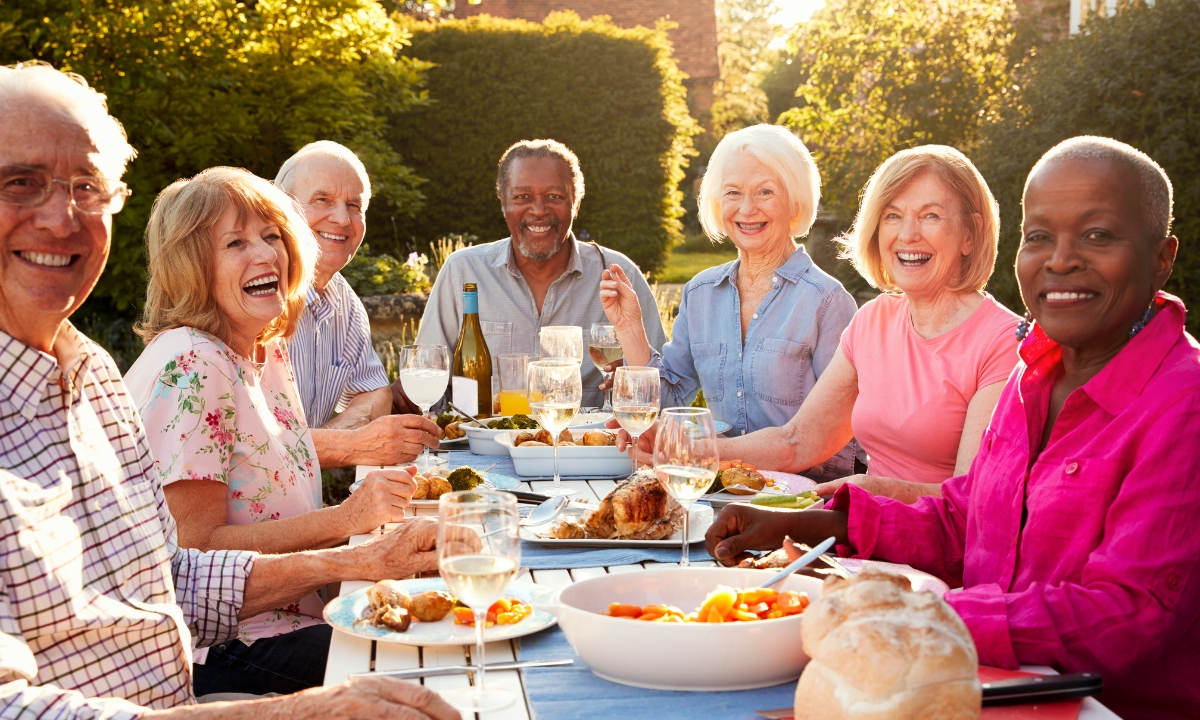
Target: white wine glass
{"points": [[424, 375], [635, 398], [685, 459], [555, 391], [479, 553], [561, 341], [604, 349]]}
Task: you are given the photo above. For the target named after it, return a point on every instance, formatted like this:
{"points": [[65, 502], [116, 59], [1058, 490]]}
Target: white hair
{"points": [[287, 177], [68, 96], [782, 152], [1156, 191]]}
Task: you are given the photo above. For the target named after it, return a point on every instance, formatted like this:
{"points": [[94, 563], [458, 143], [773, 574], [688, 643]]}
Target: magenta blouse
{"points": [[1084, 557]]}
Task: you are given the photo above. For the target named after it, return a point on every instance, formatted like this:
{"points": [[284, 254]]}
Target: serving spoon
{"points": [[802, 561]]}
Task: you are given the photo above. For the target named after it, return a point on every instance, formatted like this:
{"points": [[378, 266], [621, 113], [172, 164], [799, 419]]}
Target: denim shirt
{"points": [[790, 341]]}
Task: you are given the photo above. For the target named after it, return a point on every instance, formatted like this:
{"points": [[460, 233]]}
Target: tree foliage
{"points": [[199, 83], [1135, 78], [614, 96], [879, 76], [744, 31]]}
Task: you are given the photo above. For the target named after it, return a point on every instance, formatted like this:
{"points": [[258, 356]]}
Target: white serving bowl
{"points": [[483, 440], [573, 461], [681, 656]]}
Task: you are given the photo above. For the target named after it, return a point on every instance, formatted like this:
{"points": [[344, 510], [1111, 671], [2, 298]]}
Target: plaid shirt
{"points": [[96, 598]]}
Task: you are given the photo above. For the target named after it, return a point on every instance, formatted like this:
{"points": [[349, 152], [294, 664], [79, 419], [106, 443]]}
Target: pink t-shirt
{"points": [[913, 393]]}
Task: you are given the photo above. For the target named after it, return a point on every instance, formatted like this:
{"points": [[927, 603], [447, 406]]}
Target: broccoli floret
{"points": [[523, 422], [445, 419], [502, 424], [464, 478]]}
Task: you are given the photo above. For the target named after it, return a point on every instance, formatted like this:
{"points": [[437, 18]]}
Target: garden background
{"points": [[429, 102]]}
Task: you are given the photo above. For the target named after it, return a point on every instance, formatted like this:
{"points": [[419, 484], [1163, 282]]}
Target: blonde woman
{"points": [[230, 259], [757, 333], [920, 368]]}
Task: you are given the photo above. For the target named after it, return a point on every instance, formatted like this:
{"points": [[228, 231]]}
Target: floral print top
{"points": [[211, 414]]}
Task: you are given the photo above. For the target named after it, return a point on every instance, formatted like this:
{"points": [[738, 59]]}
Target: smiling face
{"points": [[755, 210], [537, 206], [331, 193], [1086, 266], [923, 237], [250, 270], [50, 255]]}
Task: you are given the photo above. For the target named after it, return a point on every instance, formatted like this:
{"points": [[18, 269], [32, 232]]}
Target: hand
{"points": [[382, 498], [364, 698], [393, 439], [609, 369], [409, 549], [619, 300], [741, 527], [644, 455], [401, 405]]}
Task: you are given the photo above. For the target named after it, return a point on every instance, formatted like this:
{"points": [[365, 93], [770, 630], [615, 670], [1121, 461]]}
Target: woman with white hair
{"points": [[230, 260], [755, 333]]}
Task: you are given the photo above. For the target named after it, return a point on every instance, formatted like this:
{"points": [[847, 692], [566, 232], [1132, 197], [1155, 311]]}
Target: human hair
{"points": [[1157, 194], [861, 244], [541, 149], [68, 96], [287, 177], [181, 248], [782, 152]]}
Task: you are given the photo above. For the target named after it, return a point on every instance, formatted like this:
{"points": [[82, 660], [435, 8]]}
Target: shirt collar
{"points": [[325, 305], [27, 371], [1122, 380]]}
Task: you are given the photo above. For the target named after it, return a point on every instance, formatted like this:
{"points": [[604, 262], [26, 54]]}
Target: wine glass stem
{"points": [[687, 514], [633, 439], [557, 479], [480, 621]]}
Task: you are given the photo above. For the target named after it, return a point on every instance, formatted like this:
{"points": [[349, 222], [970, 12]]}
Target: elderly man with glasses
{"points": [[98, 604]]}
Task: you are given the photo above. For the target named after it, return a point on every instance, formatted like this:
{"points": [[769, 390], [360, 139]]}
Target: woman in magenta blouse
{"points": [[1072, 538]]}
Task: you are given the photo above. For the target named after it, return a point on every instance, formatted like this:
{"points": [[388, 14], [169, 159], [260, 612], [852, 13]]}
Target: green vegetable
{"points": [[445, 419], [717, 485], [798, 502], [524, 422], [464, 478], [502, 424]]}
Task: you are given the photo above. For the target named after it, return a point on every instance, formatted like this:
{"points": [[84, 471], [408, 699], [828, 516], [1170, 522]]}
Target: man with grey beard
{"points": [[541, 275]]}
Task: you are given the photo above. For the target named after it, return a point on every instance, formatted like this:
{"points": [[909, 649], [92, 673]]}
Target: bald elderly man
{"points": [[99, 606], [332, 357]]}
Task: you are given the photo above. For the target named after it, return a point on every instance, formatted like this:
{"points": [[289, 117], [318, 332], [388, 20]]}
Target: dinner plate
{"points": [[698, 523], [785, 483], [921, 581], [491, 481], [343, 611], [721, 427]]}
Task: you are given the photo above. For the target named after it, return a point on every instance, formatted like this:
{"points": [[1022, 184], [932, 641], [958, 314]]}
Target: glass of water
{"points": [[555, 391], [424, 375], [635, 398], [685, 459], [561, 341]]}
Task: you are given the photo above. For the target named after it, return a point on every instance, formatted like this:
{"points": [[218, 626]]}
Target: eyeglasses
{"points": [[31, 187]]}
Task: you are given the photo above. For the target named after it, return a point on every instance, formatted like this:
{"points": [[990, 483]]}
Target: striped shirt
{"points": [[98, 604], [332, 355]]}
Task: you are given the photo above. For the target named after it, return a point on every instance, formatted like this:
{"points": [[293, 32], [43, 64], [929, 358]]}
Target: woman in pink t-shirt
{"points": [[919, 370]]}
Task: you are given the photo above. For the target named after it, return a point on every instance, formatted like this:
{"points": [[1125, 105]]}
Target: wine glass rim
{"points": [[555, 361], [686, 411]]}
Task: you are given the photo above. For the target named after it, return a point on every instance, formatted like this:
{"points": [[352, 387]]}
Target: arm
{"points": [[979, 414], [362, 409], [387, 440], [199, 509]]}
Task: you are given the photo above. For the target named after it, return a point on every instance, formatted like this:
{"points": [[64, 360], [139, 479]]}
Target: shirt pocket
{"points": [[709, 359], [1068, 510], [777, 371]]}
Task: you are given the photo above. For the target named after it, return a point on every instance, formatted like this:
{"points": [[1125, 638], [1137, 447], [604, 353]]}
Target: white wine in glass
{"points": [[604, 349], [555, 391], [479, 552], [685, 459], [561, 341], [635, 398], [424, 375]]}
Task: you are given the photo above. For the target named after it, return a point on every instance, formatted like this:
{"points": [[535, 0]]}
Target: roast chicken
{"points": [[637, 509]]}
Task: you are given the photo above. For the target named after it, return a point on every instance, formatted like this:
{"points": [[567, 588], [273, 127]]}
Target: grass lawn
{"points": [[682, 266]]}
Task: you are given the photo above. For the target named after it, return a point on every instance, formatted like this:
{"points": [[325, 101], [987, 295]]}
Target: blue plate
{"points": [[502, 482], [721, 426]]}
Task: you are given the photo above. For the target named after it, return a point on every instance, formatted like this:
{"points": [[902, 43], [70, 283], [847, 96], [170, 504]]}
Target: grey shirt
{"points": [[573, 299]]}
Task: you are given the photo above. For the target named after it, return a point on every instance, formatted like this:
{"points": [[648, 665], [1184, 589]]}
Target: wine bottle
{"points": [[471, 385]]}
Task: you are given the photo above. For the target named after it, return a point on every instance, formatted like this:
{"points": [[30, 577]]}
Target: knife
{"points": [[1018, 691], [529, 497], [459, 669]]}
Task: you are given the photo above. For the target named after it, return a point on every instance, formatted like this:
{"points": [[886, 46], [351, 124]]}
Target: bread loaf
{"points": [[883, 652]]}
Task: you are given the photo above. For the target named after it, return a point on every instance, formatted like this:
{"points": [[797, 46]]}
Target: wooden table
{"points": [[348, 654]]}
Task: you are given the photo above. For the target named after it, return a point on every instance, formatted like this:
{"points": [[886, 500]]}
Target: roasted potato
{"points": [[534, 443], [749, 479], [565, 436], [563, 443], [438, 486], [394, 618], [422, 491], [454, 432], [599, 438], [388, 593], [432, 605]]}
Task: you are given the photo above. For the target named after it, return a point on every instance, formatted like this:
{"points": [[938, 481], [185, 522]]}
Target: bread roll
{"points": [[883, 652]]}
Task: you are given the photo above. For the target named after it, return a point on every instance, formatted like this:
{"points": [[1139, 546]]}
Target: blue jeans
{"points": [[284, 664]]}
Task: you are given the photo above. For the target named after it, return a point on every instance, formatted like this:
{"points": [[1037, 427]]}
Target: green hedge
{"points": [[1134, 77], [614, 96]]}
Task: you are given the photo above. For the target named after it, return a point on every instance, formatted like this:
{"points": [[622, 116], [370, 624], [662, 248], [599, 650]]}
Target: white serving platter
{"points": [[700, 519]]}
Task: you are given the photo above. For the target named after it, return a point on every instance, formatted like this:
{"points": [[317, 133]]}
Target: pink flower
{"points": [[257, 508], [293, 607], [213, 419], [273, 516], [237, 495]]}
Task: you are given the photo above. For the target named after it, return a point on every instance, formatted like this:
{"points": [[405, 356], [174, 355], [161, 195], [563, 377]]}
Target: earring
{"points": [[1023, 326], [1141, 324]]}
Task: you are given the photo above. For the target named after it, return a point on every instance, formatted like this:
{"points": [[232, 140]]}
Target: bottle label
{"points": [[470, 306], [465, 392]]}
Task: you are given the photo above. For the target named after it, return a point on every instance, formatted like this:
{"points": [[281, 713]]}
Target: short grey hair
{"points": [[69, 97], [541, 149], [786, 156], [286, 178], [1157, 195]]}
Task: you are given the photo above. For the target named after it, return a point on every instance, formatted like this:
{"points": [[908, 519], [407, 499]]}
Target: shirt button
{"points": [[739, 393], [1073, 468], [755, 316], [774, 280], [1173, 581]]}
